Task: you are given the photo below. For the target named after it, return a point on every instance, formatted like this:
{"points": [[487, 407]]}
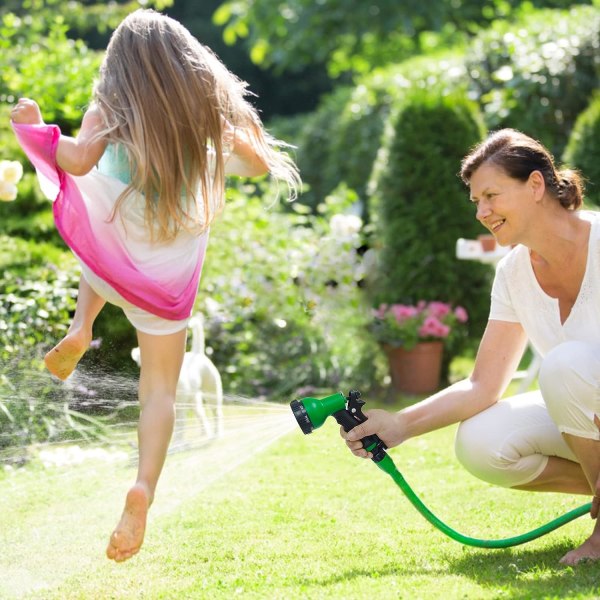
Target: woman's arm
{"points": [[74, 155], [499, 354]]}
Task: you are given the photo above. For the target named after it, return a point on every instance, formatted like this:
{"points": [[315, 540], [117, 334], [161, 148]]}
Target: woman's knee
{"points": [[569, 380], [562, 364], [490, 449], [479, 455]]}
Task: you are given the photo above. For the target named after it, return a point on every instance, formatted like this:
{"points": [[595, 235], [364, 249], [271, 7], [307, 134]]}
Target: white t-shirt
{"points": [[517, 297]]}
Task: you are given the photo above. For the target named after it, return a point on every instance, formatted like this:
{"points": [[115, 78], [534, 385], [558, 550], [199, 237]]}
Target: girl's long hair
{"points": [[164, 97]]}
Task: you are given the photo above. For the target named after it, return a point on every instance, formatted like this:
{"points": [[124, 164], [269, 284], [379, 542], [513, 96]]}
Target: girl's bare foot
{"points": [[588, 551], [126, 540], [63, 358]]}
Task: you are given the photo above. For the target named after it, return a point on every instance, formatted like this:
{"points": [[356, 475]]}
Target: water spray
{"points": [[311, 413]]}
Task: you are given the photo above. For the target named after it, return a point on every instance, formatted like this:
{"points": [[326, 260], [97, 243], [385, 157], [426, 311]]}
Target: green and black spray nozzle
{"points": [[346, 410]]}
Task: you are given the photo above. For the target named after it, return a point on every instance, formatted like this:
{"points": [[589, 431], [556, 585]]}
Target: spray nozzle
{"points": [[346, 410]]}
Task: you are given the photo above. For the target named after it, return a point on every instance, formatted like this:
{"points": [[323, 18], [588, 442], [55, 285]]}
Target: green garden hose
{"points": [[387, 465], [347, 411]]}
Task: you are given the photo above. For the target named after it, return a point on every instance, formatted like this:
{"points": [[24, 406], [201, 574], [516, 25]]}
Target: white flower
{"points": [[8, 191], [345, 225], [11, 171]]}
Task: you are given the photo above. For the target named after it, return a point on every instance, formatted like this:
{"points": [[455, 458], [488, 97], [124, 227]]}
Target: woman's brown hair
{"points": [[518, 155]]}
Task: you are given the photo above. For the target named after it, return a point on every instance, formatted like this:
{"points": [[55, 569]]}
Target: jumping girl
{"points": [[134, 195]]}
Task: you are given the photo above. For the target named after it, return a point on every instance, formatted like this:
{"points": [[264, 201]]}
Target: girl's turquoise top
{"points": [[114, 163]]}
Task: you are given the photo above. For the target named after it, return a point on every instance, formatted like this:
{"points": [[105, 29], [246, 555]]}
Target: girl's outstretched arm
{"points": [[248, 163], [74, 155]]}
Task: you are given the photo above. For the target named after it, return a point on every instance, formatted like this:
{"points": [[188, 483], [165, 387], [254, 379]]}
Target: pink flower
{"points": [[433, 327], [461, 314], [402, 312], [439, 309], [405, 325]]}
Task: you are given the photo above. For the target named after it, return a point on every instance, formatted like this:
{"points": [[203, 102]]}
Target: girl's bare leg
{"points": [[63, 358], [161, 359]]}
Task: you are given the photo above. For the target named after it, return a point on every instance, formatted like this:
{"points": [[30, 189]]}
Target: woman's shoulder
{"points": [[593, 216], [513, 263]]}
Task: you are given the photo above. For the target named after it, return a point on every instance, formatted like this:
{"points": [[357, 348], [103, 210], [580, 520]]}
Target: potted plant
{"points": [[413, 338]]}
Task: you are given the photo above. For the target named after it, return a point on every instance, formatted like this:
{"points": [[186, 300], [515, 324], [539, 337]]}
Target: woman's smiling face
{"points": [[501, 202]]}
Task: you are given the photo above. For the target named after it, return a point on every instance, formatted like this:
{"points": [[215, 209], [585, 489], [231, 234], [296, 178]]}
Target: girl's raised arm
{"points": [[78, 155], [248, 163]]}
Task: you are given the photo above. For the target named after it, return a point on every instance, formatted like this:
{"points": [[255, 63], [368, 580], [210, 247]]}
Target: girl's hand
{"points": [[26, 112], [387, 426], [228, 134]]}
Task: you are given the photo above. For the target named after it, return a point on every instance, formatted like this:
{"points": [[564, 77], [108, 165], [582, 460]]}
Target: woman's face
{"points": [[502, 203]]}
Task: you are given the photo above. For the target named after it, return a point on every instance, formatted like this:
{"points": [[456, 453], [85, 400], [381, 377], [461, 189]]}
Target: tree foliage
{"points": [[535, 74], [538, 72], [43, 55], [355, 35]]}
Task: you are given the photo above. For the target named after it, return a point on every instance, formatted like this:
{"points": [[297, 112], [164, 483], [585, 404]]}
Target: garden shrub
{"points": [[421, 207], [39, 61], [537, 74], [289, 314], [583, 149], [356, 133], [340, 140], [36, 302], [313, 144]]}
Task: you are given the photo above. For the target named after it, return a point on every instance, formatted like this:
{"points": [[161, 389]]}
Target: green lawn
{"points": [[300, 519]]}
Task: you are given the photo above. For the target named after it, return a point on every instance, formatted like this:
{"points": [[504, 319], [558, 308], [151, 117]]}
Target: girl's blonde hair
{"points": [[165, 97]]}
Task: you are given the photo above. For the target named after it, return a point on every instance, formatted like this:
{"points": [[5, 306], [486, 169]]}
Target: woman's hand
{"points": [[596, 500], [26, 112], [388, 426]]}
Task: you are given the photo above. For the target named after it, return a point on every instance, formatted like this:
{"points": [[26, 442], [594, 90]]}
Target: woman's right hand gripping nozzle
{"points": [[379, 422]]}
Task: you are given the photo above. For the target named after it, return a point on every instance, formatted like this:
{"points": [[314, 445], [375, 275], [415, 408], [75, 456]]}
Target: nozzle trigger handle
{"points": [[371, 443]]}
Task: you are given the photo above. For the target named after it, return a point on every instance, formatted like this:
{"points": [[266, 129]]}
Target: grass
{"points": [[301, 519]]}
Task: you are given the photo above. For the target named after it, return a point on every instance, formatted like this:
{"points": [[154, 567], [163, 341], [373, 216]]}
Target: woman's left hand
{"points": [[26, 112], [596, 500]]}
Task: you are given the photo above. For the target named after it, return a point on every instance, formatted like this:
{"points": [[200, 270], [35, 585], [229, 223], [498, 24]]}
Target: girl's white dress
{"points": [[154, 282]]}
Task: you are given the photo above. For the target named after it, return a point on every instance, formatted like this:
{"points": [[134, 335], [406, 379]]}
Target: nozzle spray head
{"points": [[312, 412], [347, 411]]}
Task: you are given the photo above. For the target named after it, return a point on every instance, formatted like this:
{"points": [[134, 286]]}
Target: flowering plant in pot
{"points": [[413, 337], [407, 325]]}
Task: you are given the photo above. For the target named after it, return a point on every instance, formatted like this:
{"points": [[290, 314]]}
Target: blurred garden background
{"points": [[381, 99]]}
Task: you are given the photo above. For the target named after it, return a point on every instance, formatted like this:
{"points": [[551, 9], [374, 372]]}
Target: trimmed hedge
{"points": [[421, 207], [341, 139], [583, 149]]}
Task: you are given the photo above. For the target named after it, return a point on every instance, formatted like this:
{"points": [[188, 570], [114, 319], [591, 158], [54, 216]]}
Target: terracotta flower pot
{"points": [[487, 241], [418, 370]]}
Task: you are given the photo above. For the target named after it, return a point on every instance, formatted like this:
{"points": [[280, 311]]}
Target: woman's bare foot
{"points": [[588, 551], [63, 358], [126, 540]]}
